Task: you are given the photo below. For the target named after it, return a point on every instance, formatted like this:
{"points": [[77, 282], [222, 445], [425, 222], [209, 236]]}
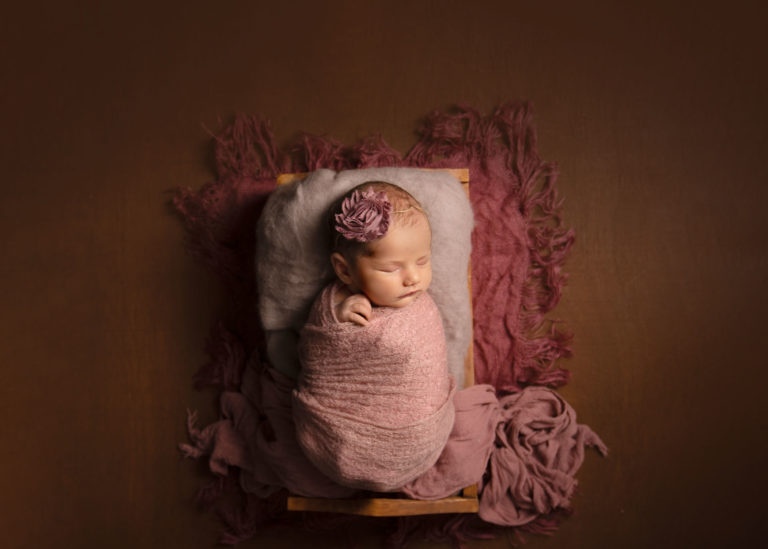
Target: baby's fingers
{"points": [[358, 319], [362, 308]]}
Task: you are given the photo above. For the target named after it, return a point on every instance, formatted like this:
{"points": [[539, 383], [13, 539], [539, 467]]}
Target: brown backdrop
{"points": [[657, 116]]}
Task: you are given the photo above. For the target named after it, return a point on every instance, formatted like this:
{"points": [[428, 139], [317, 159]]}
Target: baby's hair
{"points": [[406, 211]]}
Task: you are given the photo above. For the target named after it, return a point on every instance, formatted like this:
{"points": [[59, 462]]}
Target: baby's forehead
{"points": [[415, 239]]}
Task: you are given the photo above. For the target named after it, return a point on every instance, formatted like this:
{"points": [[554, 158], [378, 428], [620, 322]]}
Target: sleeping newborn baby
{"points": [[373, 406]]}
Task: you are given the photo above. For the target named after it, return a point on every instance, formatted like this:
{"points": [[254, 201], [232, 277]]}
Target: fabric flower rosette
{"points": [[364, 216]]}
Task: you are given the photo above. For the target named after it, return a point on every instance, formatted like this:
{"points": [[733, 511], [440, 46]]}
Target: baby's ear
{"points": [[341, 268]]}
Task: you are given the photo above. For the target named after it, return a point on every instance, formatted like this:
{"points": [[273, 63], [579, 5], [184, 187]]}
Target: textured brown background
{"points": [[656, 114]]}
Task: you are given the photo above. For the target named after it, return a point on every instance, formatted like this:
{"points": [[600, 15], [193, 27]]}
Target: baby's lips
{"points": [[409, 294]]}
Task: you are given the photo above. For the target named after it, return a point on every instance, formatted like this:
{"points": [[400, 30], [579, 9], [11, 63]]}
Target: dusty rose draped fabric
{"points": [[528, 445], [539, 448]]}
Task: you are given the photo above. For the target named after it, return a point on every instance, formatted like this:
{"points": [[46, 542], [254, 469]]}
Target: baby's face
{"points": [[398, 267]]}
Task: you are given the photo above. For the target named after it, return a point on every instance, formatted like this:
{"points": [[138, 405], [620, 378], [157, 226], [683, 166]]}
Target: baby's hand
{"points": [[356, 308]]}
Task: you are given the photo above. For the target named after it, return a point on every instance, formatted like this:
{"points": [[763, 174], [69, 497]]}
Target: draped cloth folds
{"points": [[538, 449], [524, 449]]}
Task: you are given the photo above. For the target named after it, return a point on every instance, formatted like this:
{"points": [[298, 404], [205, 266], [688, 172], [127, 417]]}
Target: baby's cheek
{"points": [[428, 278]]}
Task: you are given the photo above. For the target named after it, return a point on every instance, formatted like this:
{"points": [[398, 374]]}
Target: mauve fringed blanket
{"points": [[519, 247]]}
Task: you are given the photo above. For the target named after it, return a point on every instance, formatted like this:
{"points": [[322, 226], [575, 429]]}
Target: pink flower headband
{"points": [[364, 216]]}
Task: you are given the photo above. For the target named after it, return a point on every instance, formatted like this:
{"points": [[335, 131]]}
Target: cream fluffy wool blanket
{"points": [[373, 406]]}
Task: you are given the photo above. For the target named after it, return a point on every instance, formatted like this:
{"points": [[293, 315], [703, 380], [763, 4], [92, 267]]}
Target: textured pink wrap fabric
{"points": [[374, 405]]}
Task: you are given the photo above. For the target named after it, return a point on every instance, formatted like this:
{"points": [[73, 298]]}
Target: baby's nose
{"points": [[411, 277]]}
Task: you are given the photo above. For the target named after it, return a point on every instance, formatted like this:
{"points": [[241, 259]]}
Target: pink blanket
{"points": [[373, 408]]}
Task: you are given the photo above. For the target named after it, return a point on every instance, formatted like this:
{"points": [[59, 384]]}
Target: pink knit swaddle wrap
{"points": [[374, 405]]}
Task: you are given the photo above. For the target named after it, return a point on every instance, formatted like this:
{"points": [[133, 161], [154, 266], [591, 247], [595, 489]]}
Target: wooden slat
{"points": [[469, 360], [284, 178], [384, 507], [462, 174]]}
